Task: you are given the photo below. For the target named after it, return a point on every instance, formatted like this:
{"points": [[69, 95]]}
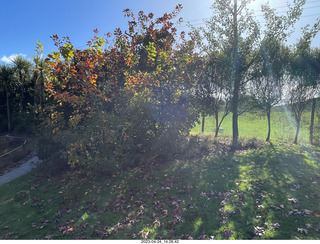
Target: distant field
{"points": [[251, 125]]}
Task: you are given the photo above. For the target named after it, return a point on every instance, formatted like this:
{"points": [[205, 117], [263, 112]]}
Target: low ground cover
{"points": [[268, 193]]}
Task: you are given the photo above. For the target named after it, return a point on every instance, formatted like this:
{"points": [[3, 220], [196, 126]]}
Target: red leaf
{"points": [[177, 211]]}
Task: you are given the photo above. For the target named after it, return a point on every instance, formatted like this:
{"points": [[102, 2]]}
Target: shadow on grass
{"points": [[263, 194]]}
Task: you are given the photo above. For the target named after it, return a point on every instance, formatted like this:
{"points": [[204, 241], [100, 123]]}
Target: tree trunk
{"points": [[203, 121], [236, 87], [297, 132], [217, 123], [21, 92], [312, 120], [8, 108], [269, 123]]}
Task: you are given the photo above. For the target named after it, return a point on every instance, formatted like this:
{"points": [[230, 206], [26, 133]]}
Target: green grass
{"points": [[282, 126], [219, 197]]}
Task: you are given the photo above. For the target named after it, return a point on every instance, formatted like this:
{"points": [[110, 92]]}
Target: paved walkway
{"points": [[20, 170]]}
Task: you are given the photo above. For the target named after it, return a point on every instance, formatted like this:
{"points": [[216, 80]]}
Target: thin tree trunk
{"points": [[22, 92], [297, 132], [217, 123], [269, 123], [203, 121], [8, 108], [235, 129], [312, 120]]}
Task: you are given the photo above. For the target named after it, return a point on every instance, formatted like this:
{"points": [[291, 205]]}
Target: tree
{"points": [[270, 75], [301, 88], [213, 90], [6, 81], [315, 69], [22, 67], [38, 79], [117, 106], [270, 69], [305, 73], [233, 32]]}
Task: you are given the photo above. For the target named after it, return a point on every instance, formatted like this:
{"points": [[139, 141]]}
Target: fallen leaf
{"points": [[259, 231], [293, 200], [303, 231], [308, 226]]}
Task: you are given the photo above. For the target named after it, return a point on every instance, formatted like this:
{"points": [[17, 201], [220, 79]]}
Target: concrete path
{"points": [[20, 170]]}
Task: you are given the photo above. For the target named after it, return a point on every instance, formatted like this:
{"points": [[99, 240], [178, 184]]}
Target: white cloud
{"points": [[9, 59]]}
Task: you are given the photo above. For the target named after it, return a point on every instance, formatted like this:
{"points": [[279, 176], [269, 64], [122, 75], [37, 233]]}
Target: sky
{"points": [[24, 22]]}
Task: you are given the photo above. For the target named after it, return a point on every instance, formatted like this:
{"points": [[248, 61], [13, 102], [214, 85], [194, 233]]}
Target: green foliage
{"points": [[125, 105]]}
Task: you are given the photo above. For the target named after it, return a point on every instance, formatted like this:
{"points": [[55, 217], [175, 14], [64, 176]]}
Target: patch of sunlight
{"points": [[310, 161], [150, 232], [229, 207], [230, 226], [245, 169], [244, 176], [288, 178], [84, 217], [270, 233], [197, 225]]}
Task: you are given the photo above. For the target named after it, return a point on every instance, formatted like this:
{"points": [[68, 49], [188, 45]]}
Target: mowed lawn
{"points": [[271, 193], [283, 126]]}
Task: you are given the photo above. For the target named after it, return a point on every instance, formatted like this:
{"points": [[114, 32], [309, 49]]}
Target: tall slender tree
{"points": [[270, 76], [22, 67], [38, 79], [301, 87], [6, 81], [233, 32], [270, 69], [315, 66]]}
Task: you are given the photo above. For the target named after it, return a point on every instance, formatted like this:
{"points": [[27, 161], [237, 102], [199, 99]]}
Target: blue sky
{"points": [[26, 21]]}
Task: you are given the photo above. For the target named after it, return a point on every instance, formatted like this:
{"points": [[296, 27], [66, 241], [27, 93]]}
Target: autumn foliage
{"points": [[123, 99]]}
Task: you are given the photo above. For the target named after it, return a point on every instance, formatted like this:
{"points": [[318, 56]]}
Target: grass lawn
{"points": [[271, 193], [250, 125]]}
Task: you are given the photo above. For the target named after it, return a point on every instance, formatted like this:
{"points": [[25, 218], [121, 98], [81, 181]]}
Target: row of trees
{"points": [[250, 67], [22, 93], [131, 96]]}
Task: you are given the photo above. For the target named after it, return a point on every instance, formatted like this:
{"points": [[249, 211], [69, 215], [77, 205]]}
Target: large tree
{"points": [[117, 106], [23, 70], [233, 32], [7, 83]]}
